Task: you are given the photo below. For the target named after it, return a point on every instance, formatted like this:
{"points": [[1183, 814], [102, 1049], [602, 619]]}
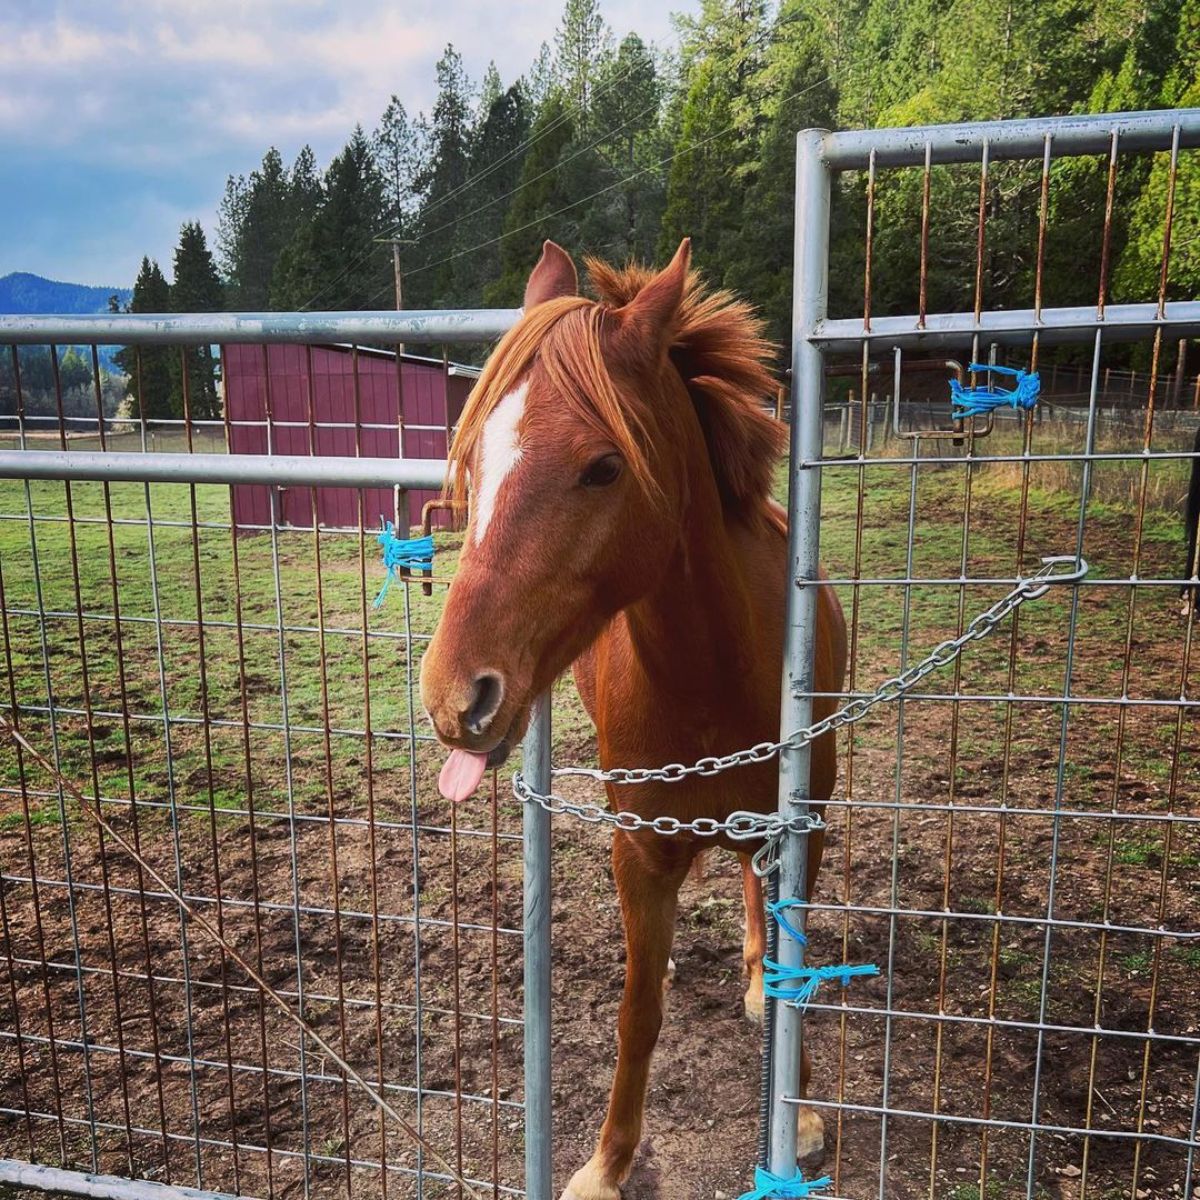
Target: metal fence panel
{"points": [[1015, 843], [245, 725]]}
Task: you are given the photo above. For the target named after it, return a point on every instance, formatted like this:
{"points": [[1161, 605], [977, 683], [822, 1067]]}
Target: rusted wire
{"points": [[265, 990]]}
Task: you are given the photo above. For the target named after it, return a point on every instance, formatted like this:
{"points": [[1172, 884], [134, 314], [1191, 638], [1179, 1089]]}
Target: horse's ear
{"points": [[646, 321], [554, 276]]}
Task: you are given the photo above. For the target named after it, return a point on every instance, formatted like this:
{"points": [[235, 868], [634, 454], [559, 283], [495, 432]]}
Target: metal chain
{"points": [[745, 826]]}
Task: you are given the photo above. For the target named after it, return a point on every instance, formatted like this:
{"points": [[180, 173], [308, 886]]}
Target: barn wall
{"points": [[275, 380]]}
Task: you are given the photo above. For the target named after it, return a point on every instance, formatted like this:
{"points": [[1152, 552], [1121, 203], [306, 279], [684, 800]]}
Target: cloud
{"points": [[121, 119]]}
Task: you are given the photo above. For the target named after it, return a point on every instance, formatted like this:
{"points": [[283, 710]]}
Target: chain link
{"points": [[746, 826]]}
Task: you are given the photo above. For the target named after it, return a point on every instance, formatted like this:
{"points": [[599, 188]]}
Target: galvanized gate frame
{"points": [[821, 154]]}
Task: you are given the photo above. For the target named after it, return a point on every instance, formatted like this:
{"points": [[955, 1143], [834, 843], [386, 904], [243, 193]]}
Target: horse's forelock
{"points": [[565, 336]]}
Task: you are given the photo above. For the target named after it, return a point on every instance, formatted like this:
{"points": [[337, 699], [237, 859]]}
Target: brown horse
{"points": [[619, 464]]}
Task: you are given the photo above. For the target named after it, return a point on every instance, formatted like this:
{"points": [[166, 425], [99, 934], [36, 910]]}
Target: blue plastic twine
{"points": [[805, 981], [775, 1187], [798, 985], [969, 401], [414, 554]]}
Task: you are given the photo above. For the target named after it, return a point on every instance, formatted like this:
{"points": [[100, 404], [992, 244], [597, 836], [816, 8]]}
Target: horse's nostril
{"points": [[487, 694]]}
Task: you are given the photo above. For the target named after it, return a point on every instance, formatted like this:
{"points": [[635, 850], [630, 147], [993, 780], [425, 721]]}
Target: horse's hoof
{"points": [[754, 1003], [669, 977], [810, 1139], [588, 1183]]}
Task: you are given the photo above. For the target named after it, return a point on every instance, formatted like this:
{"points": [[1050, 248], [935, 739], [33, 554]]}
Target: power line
{"points": [[391, 229], [612, 186]]}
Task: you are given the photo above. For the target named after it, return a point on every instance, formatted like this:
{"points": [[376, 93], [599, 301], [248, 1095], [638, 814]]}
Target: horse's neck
{"points": [[690, 635]]}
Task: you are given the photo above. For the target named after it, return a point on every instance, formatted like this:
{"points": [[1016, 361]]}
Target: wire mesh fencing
{"points": [[1017, 845], [221, 693]]}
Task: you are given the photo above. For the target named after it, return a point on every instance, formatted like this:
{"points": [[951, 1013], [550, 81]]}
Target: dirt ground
{"points": [[888, 875]]}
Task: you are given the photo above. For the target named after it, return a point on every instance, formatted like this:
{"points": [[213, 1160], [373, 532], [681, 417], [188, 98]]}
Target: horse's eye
{"points": [[602, 472]]}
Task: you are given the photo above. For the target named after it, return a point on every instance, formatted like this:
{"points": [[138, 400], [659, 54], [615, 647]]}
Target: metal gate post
{"points": [[539, 1165], [804, 513]]}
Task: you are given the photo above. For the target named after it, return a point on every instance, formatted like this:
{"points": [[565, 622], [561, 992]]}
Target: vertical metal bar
{"points": [[1043, 211], [372, 828], [177, 849], [331, 803], [539, 1145], [94, 770], [869, 249], [804, 515], [494, 857], [22, 1067], [273, 500], [1060, 777], [922, 287], [248, 776], [415, 821], [34, 890], [1126, 667], [894, 884], [60, 794], [1009, 714], [456, 989], [951, 795], [1106, 238], [130, 783]]}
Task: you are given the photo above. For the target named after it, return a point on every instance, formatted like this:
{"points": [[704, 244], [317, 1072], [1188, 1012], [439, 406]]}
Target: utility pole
{"points": [[397, 272]]}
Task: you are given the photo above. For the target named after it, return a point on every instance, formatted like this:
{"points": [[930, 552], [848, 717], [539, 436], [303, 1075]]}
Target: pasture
{"points": [[393, 921]]}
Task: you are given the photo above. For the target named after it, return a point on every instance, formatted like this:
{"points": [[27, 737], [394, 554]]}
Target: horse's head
{"points": [[574, 446]]}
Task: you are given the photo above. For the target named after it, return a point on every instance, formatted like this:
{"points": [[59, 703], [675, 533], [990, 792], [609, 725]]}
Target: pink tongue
{"points": [[461, 774]]}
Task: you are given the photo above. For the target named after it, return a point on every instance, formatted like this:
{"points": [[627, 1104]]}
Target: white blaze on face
{"points": [[499, 454]]}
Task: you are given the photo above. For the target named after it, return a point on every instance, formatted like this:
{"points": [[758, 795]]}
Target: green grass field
{"points": [[945, 541]]}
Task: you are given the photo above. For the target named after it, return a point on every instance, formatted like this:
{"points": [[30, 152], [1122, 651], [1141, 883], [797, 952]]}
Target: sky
{"points": [[121, 120]]}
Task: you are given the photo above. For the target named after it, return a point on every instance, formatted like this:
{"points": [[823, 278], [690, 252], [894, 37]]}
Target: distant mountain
{"points": [[22, 292]]}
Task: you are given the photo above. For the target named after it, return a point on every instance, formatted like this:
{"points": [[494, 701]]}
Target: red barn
{"points": [[268, 398]]}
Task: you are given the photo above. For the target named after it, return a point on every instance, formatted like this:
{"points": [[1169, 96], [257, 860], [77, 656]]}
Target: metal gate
{"points": [[246, 947], [1015, 845]]}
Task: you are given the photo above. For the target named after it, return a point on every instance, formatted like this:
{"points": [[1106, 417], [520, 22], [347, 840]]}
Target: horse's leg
{"points": [[647, 891], [754, 946]]}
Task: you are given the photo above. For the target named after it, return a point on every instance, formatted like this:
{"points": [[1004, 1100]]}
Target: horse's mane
{"points": [[717, 346]]}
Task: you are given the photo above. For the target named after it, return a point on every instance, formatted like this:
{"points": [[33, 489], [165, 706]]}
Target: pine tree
{"points": [[539, 81], [196, 289], [149, 367], [258, 218], [793, 91], [397, 148], [625, 219], [334, 260], [714, 163], [445, 174], [260, 234], [581, 42], [534, 214], [496, 157]]}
